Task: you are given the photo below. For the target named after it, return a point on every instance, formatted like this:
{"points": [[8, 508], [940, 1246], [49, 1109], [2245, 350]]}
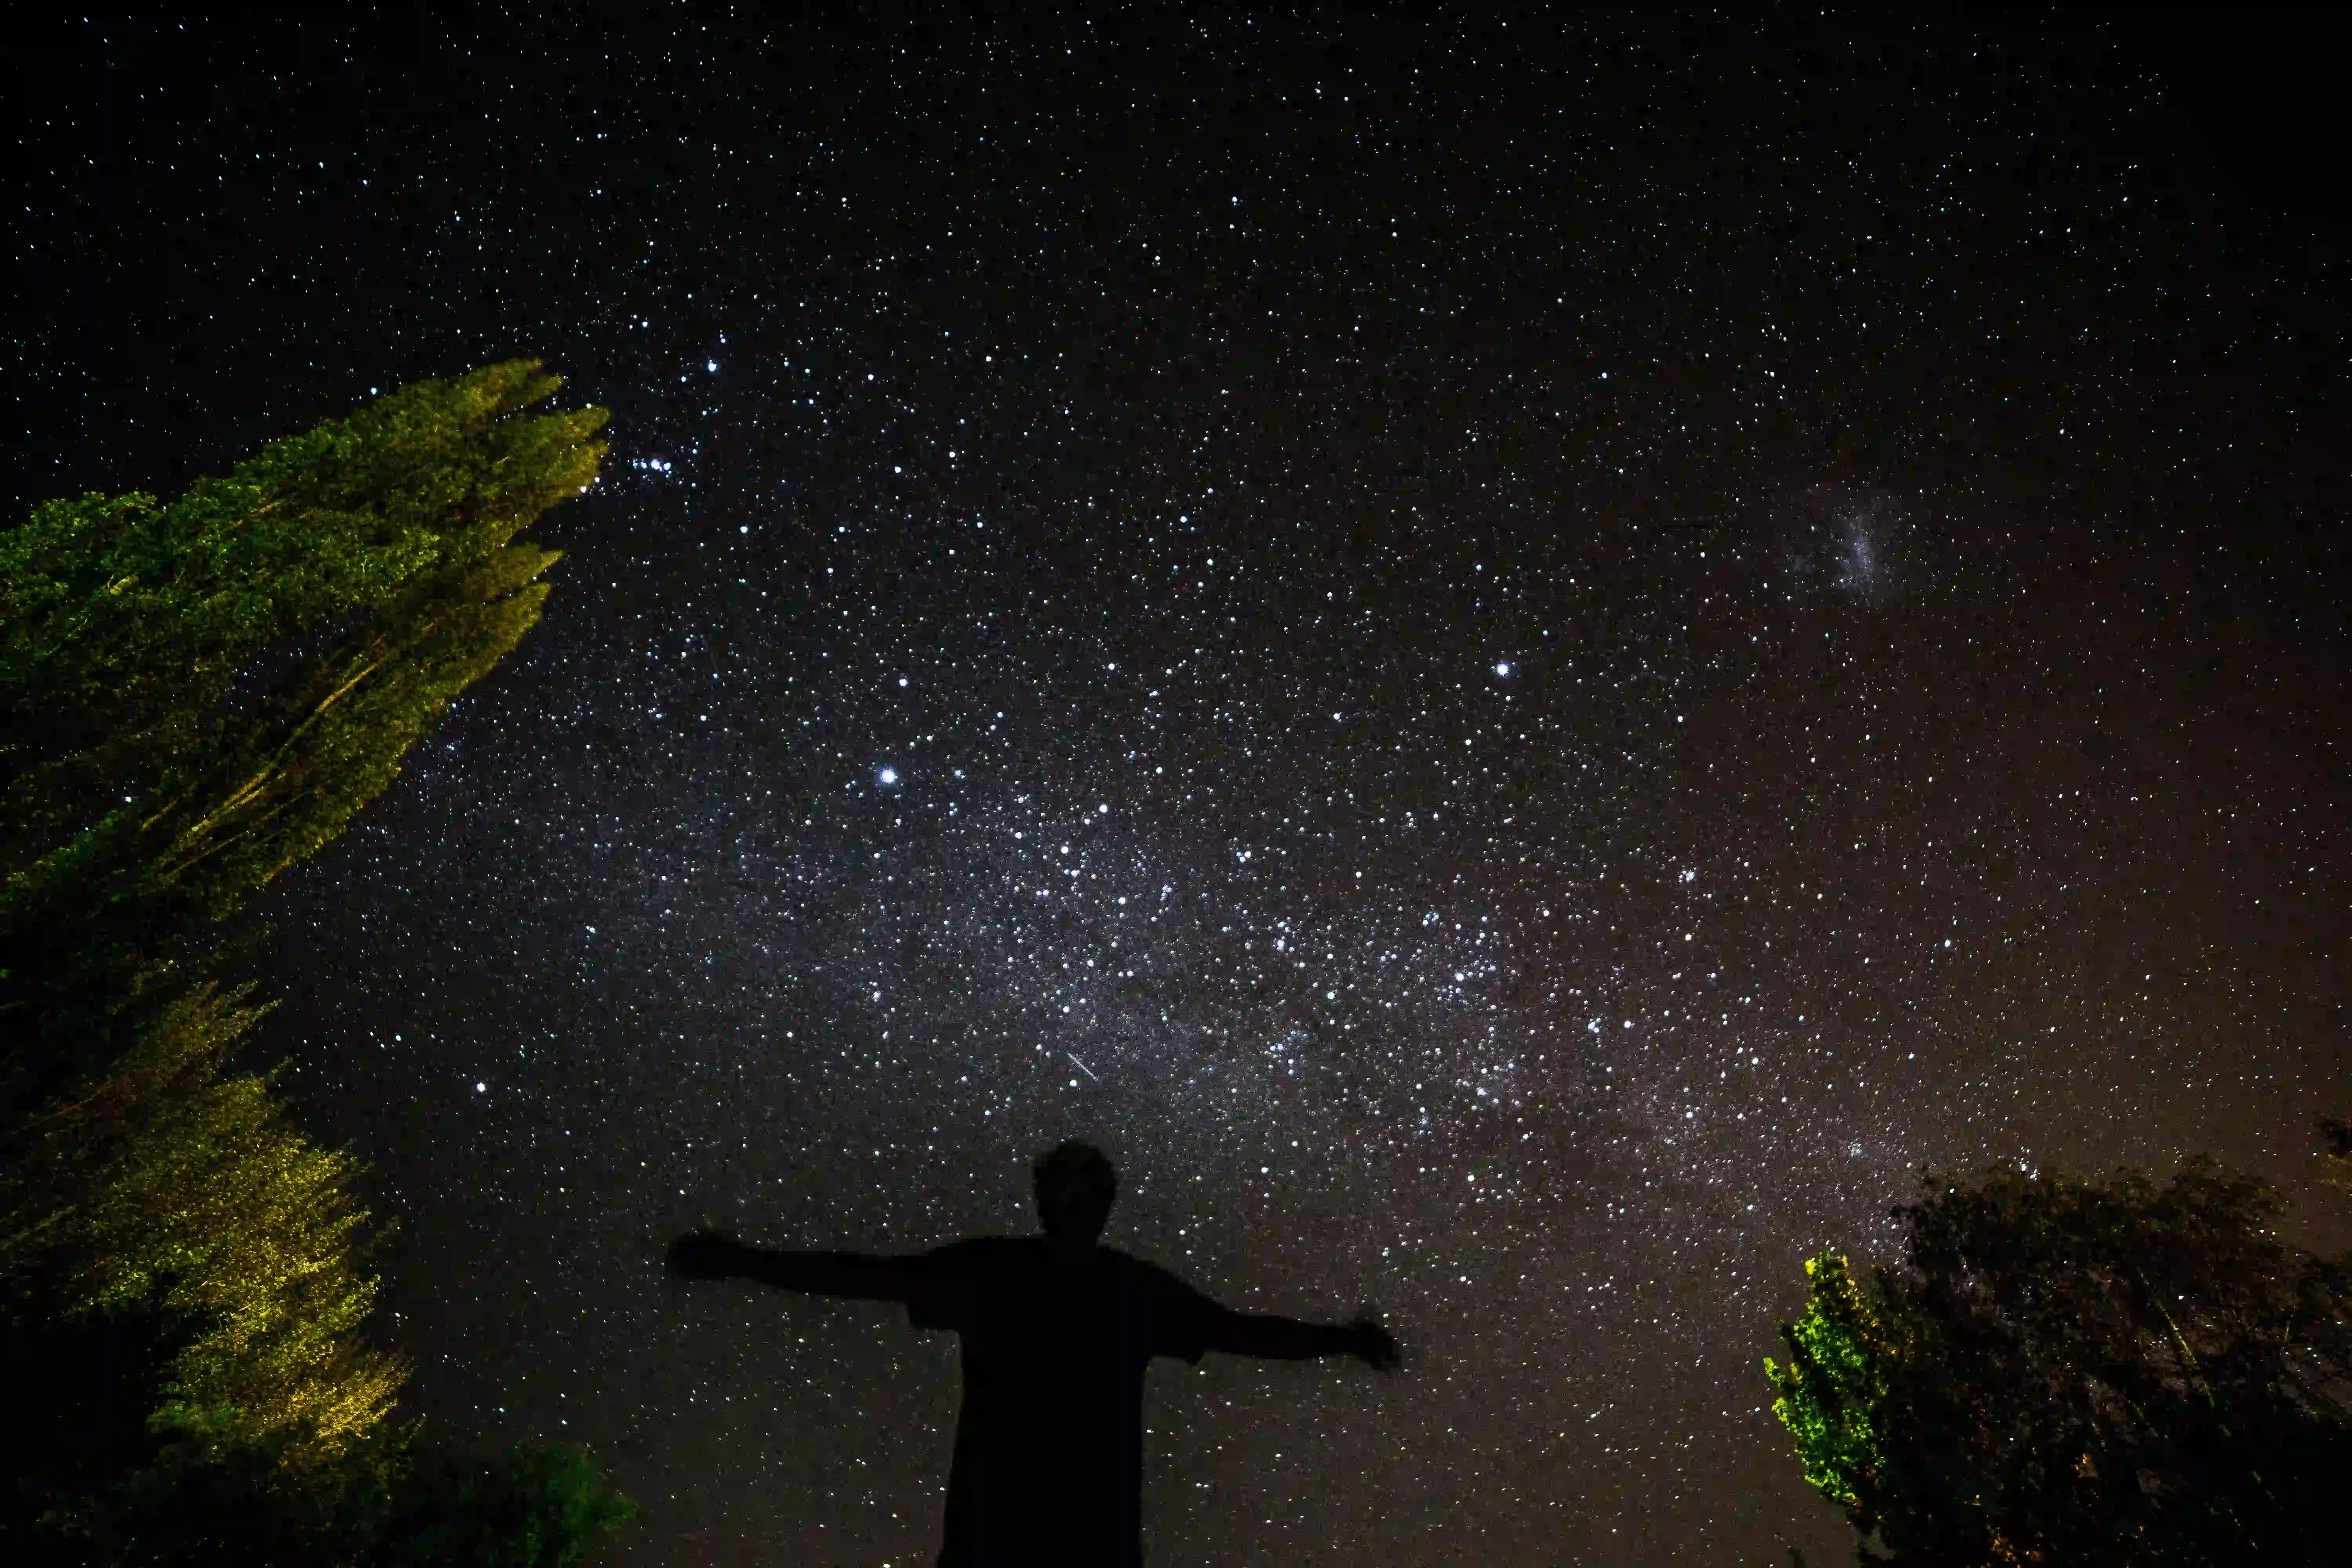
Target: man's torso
{"points": [[1049, 1446]]}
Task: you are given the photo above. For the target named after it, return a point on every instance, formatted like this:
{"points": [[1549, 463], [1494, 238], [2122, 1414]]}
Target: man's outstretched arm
{"points": [[710, 1254], [1287, 1339]]}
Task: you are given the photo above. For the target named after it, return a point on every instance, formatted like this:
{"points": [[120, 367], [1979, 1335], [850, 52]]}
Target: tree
{"points": [[192, 697], [2062, 1372], [2336, 1156]]}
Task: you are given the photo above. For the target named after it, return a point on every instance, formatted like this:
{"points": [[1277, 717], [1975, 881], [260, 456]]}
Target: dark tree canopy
{"points": [[2336, 1154], [2065, 1372]]}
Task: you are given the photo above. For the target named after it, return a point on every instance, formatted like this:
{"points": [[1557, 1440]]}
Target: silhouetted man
{"points": [[1056, 1332]]}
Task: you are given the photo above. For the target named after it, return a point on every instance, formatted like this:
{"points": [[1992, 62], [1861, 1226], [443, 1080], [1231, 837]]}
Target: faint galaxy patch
{"points": [[1858, 542]]}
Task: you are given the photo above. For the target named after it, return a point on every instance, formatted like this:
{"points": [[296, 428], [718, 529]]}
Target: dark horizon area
{"points": [[1529, 664]]}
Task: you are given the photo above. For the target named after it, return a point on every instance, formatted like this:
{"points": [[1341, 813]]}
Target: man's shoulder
{"points": [[1172, 1316]]}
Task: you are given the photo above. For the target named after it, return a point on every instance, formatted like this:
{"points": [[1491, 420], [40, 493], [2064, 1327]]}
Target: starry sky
{"points": [[1528, 666]]}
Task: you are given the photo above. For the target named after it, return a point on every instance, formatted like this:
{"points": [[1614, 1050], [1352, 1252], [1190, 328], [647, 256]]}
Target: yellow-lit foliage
{"points": [[389, 539], [1834, 1382], [198, 1200], [286, 805]]}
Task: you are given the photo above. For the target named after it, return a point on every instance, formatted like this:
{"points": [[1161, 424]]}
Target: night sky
{"points": [[1527, 669]]}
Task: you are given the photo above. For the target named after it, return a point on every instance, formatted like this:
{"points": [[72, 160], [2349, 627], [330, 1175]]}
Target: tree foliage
{"points": [[128, 619], [195, 696], [2064, 1371], [189, 1195], [1834, 1383], [393, 1502], [2335, 1155]]}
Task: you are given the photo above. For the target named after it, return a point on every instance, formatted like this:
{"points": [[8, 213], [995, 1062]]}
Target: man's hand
{"points": [[1372, 1344], [704, 1255]]}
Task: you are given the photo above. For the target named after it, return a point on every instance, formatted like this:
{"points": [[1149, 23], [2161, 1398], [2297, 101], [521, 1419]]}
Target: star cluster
{"points": [[1530, 670]]}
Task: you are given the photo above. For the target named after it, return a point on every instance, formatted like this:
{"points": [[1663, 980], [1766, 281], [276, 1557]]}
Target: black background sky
{"points": [[1529, 667]]}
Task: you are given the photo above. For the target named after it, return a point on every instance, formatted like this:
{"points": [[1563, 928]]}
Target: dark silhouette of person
{"points": [[1057, 1329]]}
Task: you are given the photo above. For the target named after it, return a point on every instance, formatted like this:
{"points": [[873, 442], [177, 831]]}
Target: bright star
{"points": [[889, 776], [1503, 667]]}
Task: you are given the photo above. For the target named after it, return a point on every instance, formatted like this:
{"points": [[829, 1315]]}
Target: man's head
{"points": [[1075, 1186]]}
